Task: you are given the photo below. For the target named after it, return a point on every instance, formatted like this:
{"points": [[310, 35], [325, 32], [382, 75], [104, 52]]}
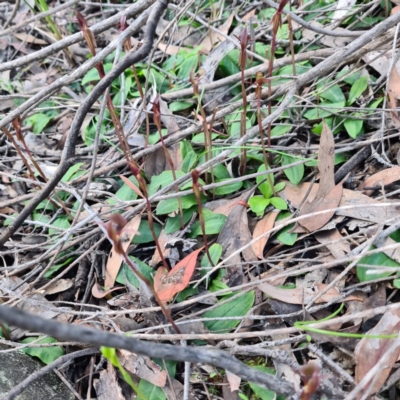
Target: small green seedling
{"points": [[268, 190]]}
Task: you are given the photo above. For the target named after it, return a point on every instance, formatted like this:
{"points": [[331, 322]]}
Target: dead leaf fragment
{"points": [[356, 205], [168, 284], [58, 286], [114, 259], [394, 96], [107, 387], [340, 248], [264, 225], [99, 293], [233, 380], [369, 351], [216, 37], [328, 195], [143, 367], [234, 235], [381, 178], [302, 295]]}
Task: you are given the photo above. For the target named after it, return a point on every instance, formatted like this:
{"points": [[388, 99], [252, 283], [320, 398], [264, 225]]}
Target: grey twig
{"points": [[221, 359]]}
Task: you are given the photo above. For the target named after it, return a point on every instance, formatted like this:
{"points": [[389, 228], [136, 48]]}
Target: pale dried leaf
{"points": [[114, 259], [394, 96], [99, 293], [234, 381], [369, 351], [234, 235], [162, 240], [107, 387], [302, 295], [60, 285], [328, 195], [329, 41], [216, 37], [342, 8], [357, 205], [264, 225], [131, 185], [381, 178], [340, 248], [143, 367]]}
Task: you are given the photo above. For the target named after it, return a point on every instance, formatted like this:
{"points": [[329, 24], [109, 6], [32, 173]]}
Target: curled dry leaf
{"points": [[381, 178], [99, 293], [168, 284], [369, 351], [264, 225], [114, 259]]}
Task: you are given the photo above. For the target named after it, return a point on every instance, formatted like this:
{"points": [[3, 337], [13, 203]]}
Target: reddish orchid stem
{"points": [[157, 121], [17, 126], [114, 228], [119, 130], [207, 131], [244, 39], [196, 189], [143, 187], [276, 24]]}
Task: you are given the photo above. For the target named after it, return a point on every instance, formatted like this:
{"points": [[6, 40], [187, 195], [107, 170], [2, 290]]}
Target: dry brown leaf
{"points": [[61, 285], [114, 259], [329, 41], [302, 295], [143, 367], [249, 15], [394, 96], [357, 205], [264, 225], [233, 380], [28, 38], [99, 293], [369, 351], [328, 195], [107, 387], [339, 249], [384, 177], [172, 50], [162, 240], [168, 284], [224, 207], [234, 235], [215, 37], [131, 186]]}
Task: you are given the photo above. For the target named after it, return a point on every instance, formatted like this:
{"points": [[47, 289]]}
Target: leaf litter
{"points": [[227, 267]]}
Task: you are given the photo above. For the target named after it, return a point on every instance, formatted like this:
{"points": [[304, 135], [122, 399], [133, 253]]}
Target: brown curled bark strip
{"points": [[69, 149], [221, 359]]}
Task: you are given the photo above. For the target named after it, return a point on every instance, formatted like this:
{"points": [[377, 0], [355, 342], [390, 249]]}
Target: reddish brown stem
{"points": [[196, 190], [143, 187]]}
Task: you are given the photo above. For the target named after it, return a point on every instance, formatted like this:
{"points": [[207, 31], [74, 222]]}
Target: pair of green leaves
{"points": [[266, 186]]}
